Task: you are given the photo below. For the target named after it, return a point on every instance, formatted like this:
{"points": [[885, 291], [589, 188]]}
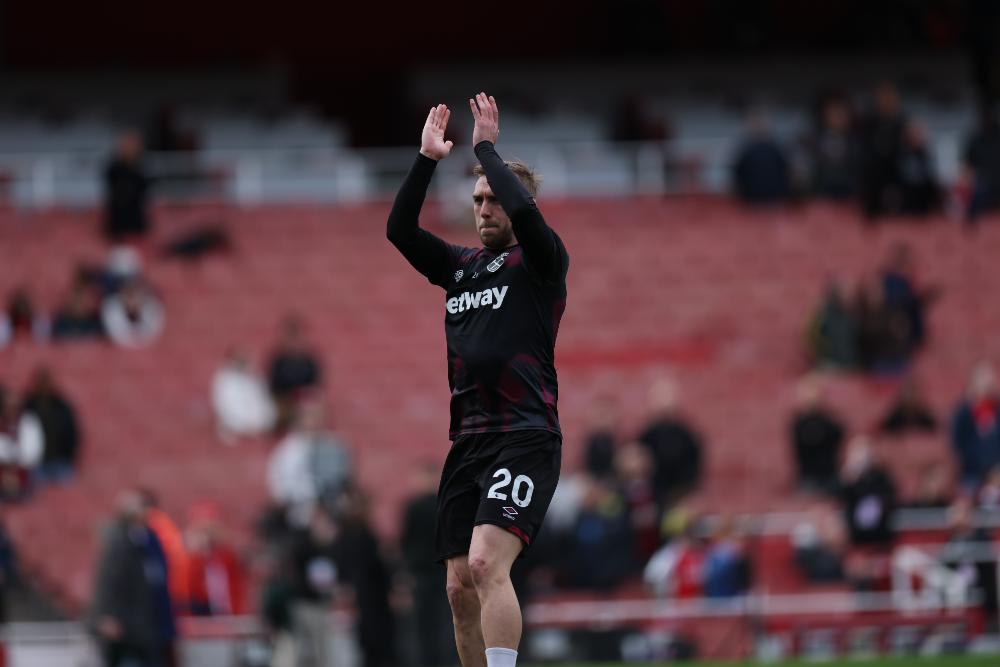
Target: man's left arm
{"points": [[542, 247]]}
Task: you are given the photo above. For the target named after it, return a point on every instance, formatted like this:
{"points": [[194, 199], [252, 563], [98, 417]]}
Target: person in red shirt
{"points": [[216, 577]]}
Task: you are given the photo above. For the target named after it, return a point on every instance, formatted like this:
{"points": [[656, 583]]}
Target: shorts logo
{"points": [[509, 512], [459, 274], [497, 263]]}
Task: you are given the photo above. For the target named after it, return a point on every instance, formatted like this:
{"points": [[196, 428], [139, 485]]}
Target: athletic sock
{"points": [[501, 657]]}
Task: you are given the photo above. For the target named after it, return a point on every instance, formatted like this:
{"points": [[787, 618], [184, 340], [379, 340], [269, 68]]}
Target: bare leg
{"points": [[491, 556], [465, 612]]}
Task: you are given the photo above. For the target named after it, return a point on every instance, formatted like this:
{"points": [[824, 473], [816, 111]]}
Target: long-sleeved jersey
{"points": [[502, 307]]}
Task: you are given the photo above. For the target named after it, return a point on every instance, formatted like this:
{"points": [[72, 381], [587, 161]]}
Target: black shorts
{"points": [[505, 479]]}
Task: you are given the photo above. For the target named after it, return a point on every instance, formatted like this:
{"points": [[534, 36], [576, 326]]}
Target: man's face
{"points": [[492, 223]]}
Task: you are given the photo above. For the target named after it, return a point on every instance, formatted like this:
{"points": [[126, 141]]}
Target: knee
{"points": [[485, 571], [462, 598]]}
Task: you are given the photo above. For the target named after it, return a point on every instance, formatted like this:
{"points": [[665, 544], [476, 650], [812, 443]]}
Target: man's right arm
{"points": [[427, 253]]}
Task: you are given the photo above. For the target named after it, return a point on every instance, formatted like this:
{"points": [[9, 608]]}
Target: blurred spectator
{"points": [[216, 579], [674, 446], [600, 554], [905, 299], [317, 576], [975, 433], [634, 468], [868, 494], [80, 315], [909, 412], [884, 333], [9, 577], [970, 552], [920, 193], [293, 368], [881, 133], [22, 442], [134, 316], [61, 433], [727, 565], [599, 441], [132, 616], [126, 187], [982, 160], [430, 604], [989, 493], [677, 569], [277, 597], [23, 320], [934, 489], [761, 171], [819, 545], [817, 437], [311, 464], [833, 331], [174, 549], [833, 151], [242, 403], [363, 569]]}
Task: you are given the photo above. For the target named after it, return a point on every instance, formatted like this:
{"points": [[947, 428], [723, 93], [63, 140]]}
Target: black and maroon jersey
{"points": [[502, 307]]}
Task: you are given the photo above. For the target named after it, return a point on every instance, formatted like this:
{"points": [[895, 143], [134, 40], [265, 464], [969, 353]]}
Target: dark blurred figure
{"points": [[909, 412], [833, 331], [174, 550], [833, 151], [600, 554], [133, 317], [132, 617], [79, 316], [22, 318], [365, 571], [634, 473], [126, 187], [293, 368], [934, 489], [216, 578], [761, 171], [676, 449], [277, 595], [869, 501], [317, 576], [599, 441], [920, 192], [728, 571], [820, 544], [982, 161], [430, 604], [59, 427], [970, 551], [165, 133], [9, 577], [817, 436], [881, 135], [884, 333], [975, 431]]}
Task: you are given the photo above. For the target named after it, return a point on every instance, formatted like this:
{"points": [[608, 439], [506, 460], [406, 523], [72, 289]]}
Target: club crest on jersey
{"points": [[459, 274], [497, 263], [509, 512]]}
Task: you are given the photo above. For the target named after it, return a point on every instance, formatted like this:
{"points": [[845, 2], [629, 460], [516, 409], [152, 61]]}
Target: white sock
{"points": [[501, 657]]}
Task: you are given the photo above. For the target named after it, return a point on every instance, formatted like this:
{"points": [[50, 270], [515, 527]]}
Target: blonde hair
{"points": [[529, 179]]}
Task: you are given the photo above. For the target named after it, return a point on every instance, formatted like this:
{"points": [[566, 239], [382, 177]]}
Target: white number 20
{"points": [[515, 492]]}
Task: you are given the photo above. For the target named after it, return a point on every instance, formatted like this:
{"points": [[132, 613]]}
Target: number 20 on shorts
{"points": [[520, 482]]}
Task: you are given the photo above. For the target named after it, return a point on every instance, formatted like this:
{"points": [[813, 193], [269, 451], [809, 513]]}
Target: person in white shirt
{"points": [[240, 399], [133, 317]]}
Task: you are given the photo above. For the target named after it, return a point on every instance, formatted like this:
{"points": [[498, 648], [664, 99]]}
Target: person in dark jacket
{"points": [[817, 437], [293, 369], [975, 431], [59, 426], [881, 133], [675, 447], [435, 646], [126, 187], [982, 160], [761, 172], [868, 495], [599, 441], [132, 616]]}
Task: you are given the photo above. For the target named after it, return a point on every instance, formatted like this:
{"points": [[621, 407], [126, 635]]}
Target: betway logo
{"points": [[469, 300]]}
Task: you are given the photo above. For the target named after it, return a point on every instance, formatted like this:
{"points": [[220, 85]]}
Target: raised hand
{"points": [[487, 117], [432, 143]]}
